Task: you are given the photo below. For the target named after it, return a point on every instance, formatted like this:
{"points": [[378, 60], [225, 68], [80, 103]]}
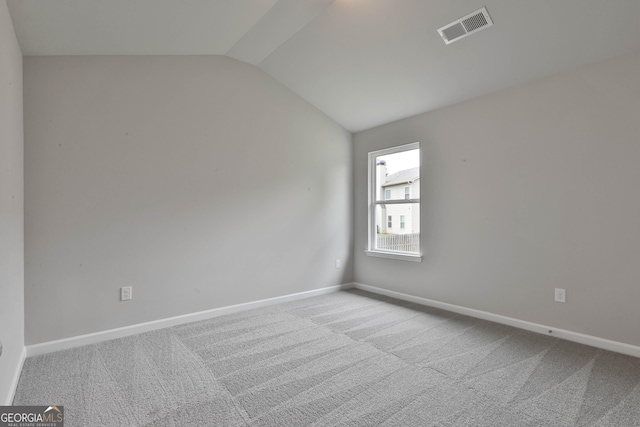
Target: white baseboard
{"points": [[16, 377], [602, 343], [66, 343]]}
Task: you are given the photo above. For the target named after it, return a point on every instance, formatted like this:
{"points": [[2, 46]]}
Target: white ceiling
{"points": [[362, 62]]}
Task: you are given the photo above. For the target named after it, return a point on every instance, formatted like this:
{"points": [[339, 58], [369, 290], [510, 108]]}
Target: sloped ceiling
{"points": [[362, 62]]}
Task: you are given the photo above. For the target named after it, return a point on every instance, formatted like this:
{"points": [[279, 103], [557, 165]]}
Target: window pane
{"points": [[394, 172], [405, 236]]}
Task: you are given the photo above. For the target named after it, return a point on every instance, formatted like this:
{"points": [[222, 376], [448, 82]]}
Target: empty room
{"points": [[320, 212]]}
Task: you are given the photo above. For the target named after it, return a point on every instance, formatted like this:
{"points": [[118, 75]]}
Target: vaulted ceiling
{"points": [[362, 62]]}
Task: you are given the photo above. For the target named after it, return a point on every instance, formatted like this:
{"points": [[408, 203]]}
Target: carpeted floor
{"points": [[349, 358]]}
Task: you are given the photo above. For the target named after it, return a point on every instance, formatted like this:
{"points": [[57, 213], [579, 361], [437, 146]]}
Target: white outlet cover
{"points": [[126, 293], [561, 295]]}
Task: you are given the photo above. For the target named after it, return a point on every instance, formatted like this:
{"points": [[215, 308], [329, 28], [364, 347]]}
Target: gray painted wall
{"points": [[199, 181], [524, 191], [11, 206]]}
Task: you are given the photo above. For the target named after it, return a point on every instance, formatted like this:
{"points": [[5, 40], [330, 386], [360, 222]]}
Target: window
{"points": [[394, 191]]}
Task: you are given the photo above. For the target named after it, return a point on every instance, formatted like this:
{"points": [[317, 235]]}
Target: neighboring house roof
{"points": [[402, 177]]}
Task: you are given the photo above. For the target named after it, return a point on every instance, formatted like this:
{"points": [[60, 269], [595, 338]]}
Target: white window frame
{"points": [[371, 249]]}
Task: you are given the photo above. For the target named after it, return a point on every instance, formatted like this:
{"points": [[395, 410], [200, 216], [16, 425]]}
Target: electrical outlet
{"points": [[126, 293], [561, 295], [337, 263]]}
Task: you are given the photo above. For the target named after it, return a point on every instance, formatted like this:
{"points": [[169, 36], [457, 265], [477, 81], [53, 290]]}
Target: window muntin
{"points": [[393, 180]]}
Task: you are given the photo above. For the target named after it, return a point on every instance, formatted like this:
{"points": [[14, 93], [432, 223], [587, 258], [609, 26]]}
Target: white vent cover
{"points": [[465, 26]]}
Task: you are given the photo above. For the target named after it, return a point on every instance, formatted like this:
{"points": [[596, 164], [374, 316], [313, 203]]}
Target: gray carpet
{"points": [[349, 358]]}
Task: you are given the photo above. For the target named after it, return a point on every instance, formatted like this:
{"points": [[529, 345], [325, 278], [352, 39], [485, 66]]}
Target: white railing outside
{"points": [[399, 242]]}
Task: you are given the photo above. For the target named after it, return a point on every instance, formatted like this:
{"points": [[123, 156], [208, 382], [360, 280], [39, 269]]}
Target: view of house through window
{"points": [[395, 200]]}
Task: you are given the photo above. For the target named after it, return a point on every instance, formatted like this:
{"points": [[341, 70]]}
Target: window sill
{"points": [[394, 255]]}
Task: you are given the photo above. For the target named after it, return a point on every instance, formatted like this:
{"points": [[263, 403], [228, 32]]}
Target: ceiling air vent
{"points": [[465, 26]]}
